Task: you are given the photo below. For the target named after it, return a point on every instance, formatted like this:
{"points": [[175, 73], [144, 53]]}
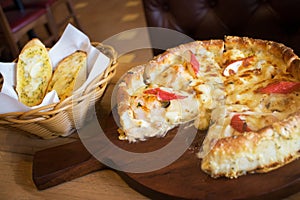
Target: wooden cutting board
{"points": [[183, 179]]}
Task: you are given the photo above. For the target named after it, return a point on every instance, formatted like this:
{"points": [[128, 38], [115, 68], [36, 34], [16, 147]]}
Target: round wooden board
{"points": [[184, 179]]}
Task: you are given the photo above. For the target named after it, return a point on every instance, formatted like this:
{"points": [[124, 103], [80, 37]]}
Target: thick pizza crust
{"points": [[295, 67], [261, 151], [262, 47], [130, 82]]}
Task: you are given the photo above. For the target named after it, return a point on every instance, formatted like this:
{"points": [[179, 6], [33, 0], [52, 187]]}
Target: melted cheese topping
{"points": [[222, 88], [241, 90]]}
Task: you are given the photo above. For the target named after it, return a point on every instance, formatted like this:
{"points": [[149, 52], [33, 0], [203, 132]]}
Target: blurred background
{"points": [[98, 19], [275, 20]]}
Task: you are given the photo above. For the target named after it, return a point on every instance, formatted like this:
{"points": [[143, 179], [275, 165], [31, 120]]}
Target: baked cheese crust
{"points": [[244, 91]]}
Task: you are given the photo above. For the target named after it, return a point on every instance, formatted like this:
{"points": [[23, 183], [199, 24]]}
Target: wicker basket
{"points": [[59, 119]]}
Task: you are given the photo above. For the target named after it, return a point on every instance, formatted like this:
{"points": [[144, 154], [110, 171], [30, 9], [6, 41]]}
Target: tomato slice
{"points": [[239, 124], [282, 87], [163, 95], [194, 62]]}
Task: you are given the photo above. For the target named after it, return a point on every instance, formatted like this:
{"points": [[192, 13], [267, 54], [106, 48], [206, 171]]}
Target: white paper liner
{"points": [[71, 40]]}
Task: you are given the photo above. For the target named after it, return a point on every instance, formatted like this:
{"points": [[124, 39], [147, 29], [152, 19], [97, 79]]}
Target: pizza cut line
{"points": [[245, 92]]}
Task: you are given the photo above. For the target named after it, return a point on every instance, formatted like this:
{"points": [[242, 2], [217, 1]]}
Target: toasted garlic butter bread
{"points": [[34, 71], [69, 74]]}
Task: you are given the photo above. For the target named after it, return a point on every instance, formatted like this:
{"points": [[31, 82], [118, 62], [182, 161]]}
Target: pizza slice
{"points": [[260, 130], [170, 90], [151, 110]]}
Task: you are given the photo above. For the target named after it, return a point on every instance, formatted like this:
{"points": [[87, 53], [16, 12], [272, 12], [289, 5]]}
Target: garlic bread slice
{"points": [[34, 71], [69, 74]]}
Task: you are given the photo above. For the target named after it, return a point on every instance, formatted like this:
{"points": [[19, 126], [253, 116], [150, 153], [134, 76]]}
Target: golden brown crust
{"points": [[127, 85], [269, 142], [215, 46], [294, 68], [270, 48]]}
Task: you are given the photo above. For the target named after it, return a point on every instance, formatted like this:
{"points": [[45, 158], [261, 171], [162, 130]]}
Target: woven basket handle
{"points": [[63, 163]]}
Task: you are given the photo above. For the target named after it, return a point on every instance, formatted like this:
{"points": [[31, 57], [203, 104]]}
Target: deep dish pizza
{"points": [[245, 92]]}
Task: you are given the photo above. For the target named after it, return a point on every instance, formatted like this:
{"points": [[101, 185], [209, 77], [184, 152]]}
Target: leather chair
{"points": [[69, 14], [15, 26], [277, 20]]}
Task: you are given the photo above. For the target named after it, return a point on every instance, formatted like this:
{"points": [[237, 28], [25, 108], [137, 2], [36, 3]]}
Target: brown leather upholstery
{"points": [[277, 20]]}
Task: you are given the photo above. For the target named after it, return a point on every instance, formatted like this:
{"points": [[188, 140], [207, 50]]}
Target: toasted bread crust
{"points": [[69, 74]]}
